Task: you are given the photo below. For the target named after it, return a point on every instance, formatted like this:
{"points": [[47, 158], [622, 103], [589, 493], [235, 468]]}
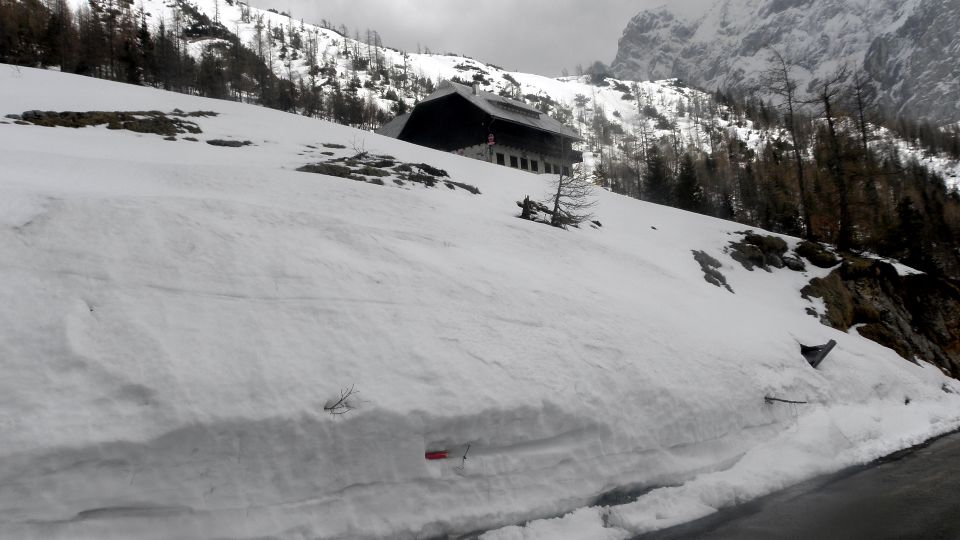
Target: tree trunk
{"points": [[845, 237]]}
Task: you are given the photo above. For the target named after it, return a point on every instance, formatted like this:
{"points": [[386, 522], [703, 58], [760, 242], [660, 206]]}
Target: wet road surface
{"points": [[914, 494]]}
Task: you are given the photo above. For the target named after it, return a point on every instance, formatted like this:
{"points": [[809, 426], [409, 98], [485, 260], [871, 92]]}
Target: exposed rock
{"points": [[374, 169], [918, 316], [748, 255], [227, 143], [767, 244], [329, 169], [476, 191], [759, 251], [154, 122], [709, 266], [794, 263], [817, 255]]}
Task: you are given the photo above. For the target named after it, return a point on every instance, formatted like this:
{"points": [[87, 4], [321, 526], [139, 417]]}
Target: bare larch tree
{"points": [[779, 81]]}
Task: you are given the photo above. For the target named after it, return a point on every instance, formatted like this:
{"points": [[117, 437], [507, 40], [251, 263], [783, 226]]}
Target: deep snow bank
{"points": [[176, 316]]}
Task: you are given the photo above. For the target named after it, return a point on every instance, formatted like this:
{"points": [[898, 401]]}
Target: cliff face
{"points": [[917, 66], [918, 316], [910, 49]]}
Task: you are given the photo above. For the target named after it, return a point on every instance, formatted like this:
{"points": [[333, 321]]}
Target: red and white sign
{"points": [[491, 140]]}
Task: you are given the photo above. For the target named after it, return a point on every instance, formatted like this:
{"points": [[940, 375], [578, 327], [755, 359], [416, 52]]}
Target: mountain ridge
{"points": [[909, 50]]}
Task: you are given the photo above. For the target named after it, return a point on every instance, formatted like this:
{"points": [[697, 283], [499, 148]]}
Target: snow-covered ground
{"points": [[176, 316]]}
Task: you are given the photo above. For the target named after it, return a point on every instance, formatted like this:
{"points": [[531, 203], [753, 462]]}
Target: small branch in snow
{"points": [[463, 462], [359, 145], [344, 404], [771, 400]]}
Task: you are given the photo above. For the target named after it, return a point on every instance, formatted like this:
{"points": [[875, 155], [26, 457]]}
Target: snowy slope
{"points": [[177, 315]]}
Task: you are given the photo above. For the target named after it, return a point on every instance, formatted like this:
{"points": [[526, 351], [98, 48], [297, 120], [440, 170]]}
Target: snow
{"points": [[942, 163], [176, 316], [583, 524], [902, 269]]}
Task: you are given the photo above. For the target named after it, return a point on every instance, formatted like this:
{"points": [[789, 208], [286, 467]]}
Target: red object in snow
{"points": [[433, 456]]}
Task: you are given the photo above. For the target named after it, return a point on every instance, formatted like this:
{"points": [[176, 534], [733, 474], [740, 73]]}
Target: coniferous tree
{"points": [[60, 40], [827, 95], [657, 181], [689, 193]]}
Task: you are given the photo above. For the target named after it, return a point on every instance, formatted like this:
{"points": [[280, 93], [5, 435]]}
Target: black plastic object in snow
{"points": [[816, 354]]}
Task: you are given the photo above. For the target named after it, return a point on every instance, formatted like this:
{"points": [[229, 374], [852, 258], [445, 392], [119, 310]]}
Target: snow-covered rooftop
{"points": [[504, 108]]}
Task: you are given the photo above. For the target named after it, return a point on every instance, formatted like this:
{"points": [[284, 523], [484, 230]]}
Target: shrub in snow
{"points": [[572, 199], [346, 402]]}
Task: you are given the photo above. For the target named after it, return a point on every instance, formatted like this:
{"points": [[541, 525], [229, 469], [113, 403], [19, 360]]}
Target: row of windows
{"points": [[530, 165]]}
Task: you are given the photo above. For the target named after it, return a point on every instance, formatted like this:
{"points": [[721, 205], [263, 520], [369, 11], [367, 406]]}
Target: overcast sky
{"points": [[535, 36]]}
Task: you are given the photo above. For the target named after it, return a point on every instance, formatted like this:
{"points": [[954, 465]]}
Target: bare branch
{"points": [[780, 82], [572, 200], [344, 404], [771, 400]]}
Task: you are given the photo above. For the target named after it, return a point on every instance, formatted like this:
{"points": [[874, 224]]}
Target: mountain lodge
{"points": [[488, 127]]}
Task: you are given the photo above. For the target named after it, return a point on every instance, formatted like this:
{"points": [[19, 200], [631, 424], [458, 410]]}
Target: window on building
{"points": [[501, 159], [534, 165], [547, 168], [513, 162], [524, 164]]}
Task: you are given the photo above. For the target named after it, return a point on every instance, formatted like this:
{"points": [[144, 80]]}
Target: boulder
{"points": [[817, 254]]}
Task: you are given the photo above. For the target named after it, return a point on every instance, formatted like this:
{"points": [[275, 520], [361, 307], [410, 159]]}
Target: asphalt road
{"points": [[914, 494]]}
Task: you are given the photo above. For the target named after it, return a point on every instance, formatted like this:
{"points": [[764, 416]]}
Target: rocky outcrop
{"points": [[918, 316], [910, 50], [766, 252], [818, 255], [711, 272]]}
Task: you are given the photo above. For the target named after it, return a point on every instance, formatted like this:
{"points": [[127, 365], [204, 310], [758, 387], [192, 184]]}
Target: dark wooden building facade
{"points": [[465, 120]]}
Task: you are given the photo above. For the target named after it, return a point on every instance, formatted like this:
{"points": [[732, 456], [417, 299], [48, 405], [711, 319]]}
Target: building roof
{"points": [[394, 127], [501, 108]]}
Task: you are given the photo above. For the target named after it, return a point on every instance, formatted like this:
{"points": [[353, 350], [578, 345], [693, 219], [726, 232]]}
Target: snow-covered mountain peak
{"points": [[910, 49]]}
